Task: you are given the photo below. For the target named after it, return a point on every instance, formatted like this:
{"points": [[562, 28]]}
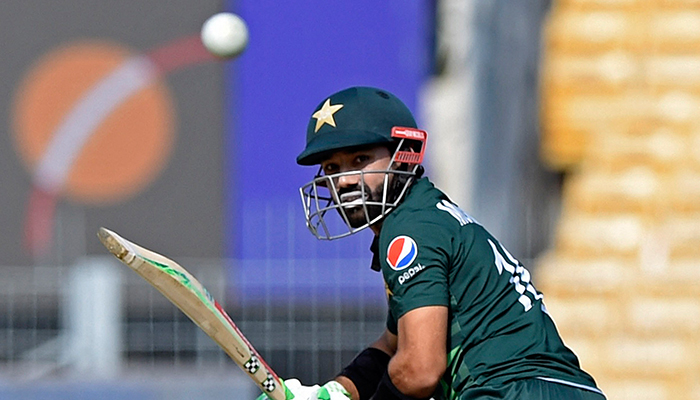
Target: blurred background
{"points": [[569, 128]]}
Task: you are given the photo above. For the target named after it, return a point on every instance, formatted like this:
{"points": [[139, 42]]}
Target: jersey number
{"points": [[519, 276]]}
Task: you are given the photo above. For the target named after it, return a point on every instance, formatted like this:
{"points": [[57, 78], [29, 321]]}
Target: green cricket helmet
{"points": [[351, 119]]}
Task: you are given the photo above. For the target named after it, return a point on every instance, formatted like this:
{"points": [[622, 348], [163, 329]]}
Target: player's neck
{"points": [[376, 227]]}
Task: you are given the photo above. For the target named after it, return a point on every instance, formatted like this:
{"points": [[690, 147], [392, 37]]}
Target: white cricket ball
{"points": [[225, 35]]}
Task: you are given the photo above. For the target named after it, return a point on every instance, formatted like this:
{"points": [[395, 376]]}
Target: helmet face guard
{"points": [[327, 212]]}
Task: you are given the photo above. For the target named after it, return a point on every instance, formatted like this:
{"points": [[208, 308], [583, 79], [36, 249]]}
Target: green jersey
{"points": [[432, 253]]}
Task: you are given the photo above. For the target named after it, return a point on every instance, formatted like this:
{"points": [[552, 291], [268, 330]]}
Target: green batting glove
{"points": [[333, 391], [295, 390]]}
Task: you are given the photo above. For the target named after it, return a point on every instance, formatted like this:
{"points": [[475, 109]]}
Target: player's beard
{"points": [[355, 211]]}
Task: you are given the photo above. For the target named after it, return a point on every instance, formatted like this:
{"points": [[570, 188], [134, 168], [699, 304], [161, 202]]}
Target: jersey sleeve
{"points": [[414, 256]]}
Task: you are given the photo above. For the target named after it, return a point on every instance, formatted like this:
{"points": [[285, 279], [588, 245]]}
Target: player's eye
{"points": [[330, 169], [362, 159]]}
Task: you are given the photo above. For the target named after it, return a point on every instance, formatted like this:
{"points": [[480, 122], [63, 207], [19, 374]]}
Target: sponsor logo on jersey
{"points": [[401, 253], [410, 273]]}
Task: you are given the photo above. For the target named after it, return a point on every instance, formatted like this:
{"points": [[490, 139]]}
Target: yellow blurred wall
{"points": [[621, 115]]}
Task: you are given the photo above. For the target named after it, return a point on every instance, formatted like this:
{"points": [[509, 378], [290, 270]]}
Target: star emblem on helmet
{"points": [[325, 114]]}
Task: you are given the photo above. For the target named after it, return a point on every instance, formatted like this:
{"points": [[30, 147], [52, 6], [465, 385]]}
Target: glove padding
{"points": [[296, 390], [330, 391]]}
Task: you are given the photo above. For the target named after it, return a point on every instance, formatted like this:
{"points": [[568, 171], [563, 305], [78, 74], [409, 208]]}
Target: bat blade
{"points": [[193, 299]]}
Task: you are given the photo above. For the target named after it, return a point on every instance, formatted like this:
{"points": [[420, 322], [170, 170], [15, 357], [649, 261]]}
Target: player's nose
{"points": [[348, 179]]}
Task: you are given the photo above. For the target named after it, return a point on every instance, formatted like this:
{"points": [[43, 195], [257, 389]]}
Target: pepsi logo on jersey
{"points": [[401, 253]]}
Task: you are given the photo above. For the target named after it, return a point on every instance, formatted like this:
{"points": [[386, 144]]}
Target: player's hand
{"points": [[297, 391], [332, 391]]}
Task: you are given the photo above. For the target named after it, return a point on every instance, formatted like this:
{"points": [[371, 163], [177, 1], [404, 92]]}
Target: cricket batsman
{"points": [[464, 319]]}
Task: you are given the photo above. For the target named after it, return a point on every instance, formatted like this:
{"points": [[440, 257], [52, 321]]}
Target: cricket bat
{"points": [[183, 290]]}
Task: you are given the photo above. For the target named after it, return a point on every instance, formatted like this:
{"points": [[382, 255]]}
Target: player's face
{"points": [[355, 168]]}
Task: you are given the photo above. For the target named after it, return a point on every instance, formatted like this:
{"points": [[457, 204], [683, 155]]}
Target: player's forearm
{"points": [[387, 343]]}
